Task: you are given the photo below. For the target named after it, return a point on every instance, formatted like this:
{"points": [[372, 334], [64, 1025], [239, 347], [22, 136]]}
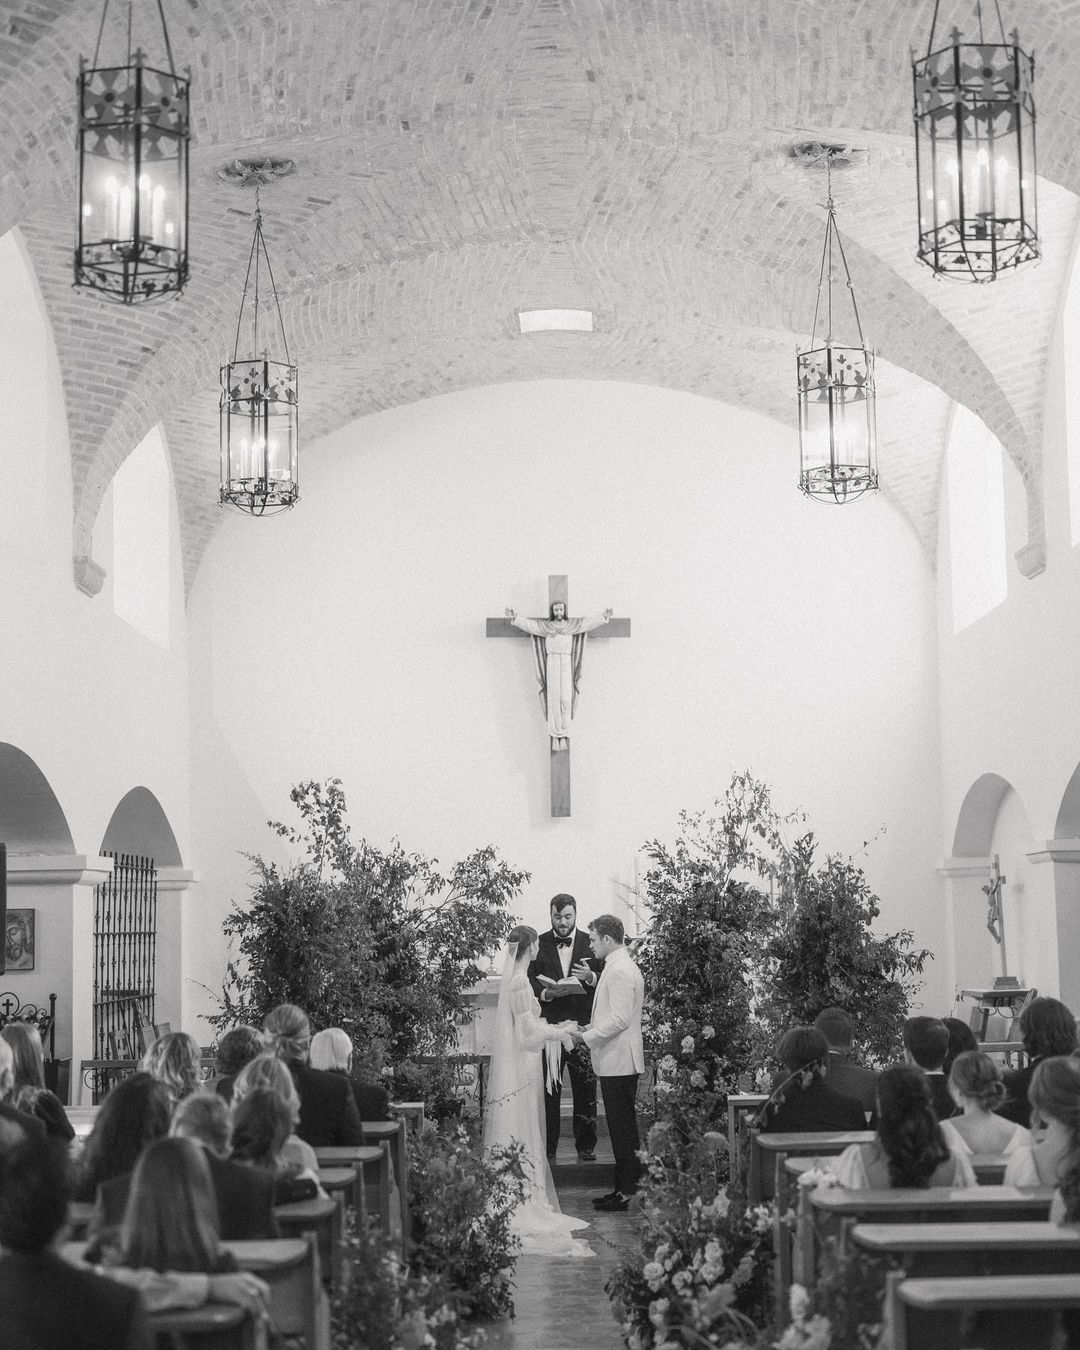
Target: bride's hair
{"points": [[521, 938]]}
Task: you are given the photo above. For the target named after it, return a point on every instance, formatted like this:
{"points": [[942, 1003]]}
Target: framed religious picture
{"points": [[20, 940]]}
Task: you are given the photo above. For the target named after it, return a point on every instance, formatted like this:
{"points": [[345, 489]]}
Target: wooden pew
{"points": [[768, 1153], [826, 1212], [324, 1218], [375, 1164], [290, 1266], [349, 1182], [214, 1326], [412, 1113], [741, 1106], [928, 1314], [393, 1134], [995, 1248]]}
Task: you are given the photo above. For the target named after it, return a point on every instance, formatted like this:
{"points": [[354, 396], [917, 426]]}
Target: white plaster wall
{"points": [[97, 706], [1009, 688], [347, 638]]}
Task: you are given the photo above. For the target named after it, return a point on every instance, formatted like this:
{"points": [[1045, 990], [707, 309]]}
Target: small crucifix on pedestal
{"points": [[558, 648]]}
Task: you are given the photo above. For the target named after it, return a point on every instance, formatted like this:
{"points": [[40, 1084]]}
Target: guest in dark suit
{"points": [[841, 1073], [1047, 1028], [926, 1043], [804, 1101], [239, 1046], [328, 1114], [332, 1050], [562, 948], [46, 1302]]}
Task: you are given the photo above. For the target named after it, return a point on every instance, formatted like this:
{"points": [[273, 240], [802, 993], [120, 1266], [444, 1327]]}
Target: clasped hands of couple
{"points": [[584, 973]]}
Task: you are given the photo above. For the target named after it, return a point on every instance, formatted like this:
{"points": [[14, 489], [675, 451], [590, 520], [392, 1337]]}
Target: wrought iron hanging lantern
{"points": [[259, 409], [975, 154], [134, 131], [837, 415]]}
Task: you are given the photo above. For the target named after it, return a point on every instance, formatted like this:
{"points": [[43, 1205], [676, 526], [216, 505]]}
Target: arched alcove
{"points": [[139, 825], [31, 818], [978, 813], [1067, 825]]}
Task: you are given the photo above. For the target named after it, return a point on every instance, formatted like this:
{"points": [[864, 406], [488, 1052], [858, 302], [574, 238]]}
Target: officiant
{"points": [[562, 948]]}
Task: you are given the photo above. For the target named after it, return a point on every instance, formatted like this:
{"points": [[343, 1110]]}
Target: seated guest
{"points": [[926, 1043], [133, 1114], [1047, 1028], [245, 1200], [910, 1149], [237, 1047], [976, 1088], [173, 1059], [1055, 1122], [267, 1071], [841, 1074], [804, 1101], [332, 1050], [170, 1223], [328, 1114], [961, 1039], [261, 1122], [15, 1125], [45, 1302], [30, 1093]]}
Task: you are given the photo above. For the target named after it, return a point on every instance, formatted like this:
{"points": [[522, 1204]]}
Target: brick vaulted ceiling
{"points": [[458, 160]]}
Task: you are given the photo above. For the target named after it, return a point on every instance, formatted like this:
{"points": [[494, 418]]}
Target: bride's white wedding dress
{"points": [[515, 1111]]}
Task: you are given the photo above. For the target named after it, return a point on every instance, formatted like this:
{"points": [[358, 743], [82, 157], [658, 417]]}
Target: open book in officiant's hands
{"points": [[560, 988]]}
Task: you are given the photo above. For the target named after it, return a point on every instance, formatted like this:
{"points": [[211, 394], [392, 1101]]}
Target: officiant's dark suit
{"points": [[576, 1008]]}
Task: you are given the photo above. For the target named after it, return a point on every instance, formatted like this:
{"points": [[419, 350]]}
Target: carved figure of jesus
{"points": [[560, 643]]}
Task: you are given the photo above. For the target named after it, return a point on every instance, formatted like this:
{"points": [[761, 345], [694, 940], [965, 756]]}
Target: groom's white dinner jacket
{"points": [[614, 1038]]}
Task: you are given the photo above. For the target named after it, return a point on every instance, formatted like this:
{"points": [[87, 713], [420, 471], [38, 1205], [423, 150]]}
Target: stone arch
{"points": [[140, 825], [978, 813], [1067, 825], [31, 818]]}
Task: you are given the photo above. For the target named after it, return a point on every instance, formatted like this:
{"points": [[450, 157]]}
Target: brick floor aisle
{"points": [[560, 1302]]}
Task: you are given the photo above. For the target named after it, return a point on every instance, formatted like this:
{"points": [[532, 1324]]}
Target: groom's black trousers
{"points": [[620, 1099], [583, 1086]]}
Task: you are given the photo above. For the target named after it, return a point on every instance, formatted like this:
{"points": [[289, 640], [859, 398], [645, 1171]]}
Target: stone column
{"points": [[1064, 857]]}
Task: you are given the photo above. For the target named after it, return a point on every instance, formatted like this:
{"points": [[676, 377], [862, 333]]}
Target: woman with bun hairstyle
{"points": [[910, 1150], [976, 1087]]}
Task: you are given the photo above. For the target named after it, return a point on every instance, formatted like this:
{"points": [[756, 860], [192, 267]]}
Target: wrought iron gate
{"points": [[125, 956]]}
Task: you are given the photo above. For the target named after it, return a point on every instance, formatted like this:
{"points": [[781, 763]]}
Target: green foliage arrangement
{"points": [[823, 952], [379, 942], [461, 1202], [703, 1274]]}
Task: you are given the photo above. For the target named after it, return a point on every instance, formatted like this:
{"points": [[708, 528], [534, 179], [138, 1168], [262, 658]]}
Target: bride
{"points": [[524, 1047]]}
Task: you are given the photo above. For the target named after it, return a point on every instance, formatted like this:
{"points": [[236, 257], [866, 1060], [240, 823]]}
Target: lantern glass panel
{"points": [[837, 423], [259, 435], [133, 144]]}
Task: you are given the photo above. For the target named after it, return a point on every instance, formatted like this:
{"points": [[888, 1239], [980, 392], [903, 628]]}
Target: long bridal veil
{"points": [[515, 1111]]}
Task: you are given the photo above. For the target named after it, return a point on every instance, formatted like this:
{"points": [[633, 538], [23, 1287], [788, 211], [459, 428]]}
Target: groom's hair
{"points": [[563, 901], [607, 925]]}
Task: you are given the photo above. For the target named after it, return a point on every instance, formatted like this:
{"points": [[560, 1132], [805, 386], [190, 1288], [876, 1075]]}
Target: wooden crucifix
{"points": [[558, 648]]}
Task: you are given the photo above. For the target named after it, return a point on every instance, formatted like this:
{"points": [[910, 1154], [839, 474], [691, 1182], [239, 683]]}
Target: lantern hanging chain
{"points": [[979, 14], [164, 32], [100, 31], [825, 274], [258, 245]]}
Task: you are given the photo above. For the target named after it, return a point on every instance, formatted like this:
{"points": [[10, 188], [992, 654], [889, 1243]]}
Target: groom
{"points": [[614, 1040]]}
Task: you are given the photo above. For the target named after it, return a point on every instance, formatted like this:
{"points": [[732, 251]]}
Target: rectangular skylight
{"points": [[554, 320]]}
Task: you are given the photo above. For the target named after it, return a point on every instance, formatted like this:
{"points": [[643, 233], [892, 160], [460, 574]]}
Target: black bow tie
{"points": [[564, 942]]}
